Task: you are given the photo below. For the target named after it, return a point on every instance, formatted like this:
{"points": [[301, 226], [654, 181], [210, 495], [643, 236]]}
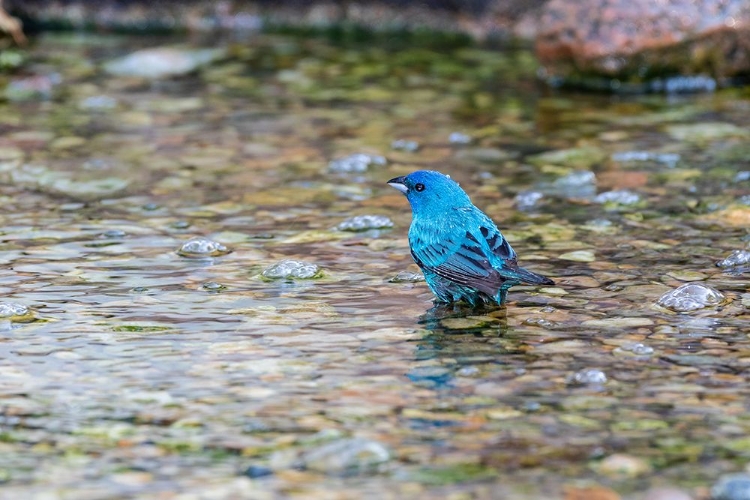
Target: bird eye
{"points": [[419, 187]]}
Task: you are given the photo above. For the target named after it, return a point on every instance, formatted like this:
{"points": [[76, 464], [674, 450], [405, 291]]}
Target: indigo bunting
{"points": [[460, 251]]}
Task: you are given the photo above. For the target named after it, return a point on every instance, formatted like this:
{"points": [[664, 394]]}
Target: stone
{"points": [[631, 40], [162, 62]]}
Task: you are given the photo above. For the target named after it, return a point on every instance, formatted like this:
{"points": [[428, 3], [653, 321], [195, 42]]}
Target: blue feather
{"points": [[461, 252]]}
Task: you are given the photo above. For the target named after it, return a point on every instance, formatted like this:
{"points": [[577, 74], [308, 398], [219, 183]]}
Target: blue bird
{"points": [[459, 249]]}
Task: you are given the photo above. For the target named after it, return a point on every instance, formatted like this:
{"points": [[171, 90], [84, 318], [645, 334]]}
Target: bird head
{"points": [[430, 191]]}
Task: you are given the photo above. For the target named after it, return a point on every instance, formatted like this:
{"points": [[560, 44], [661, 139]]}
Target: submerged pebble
{"points": [[365, 222], [358, 162], [735, 259], [618, 197], [405, 145], [199, 248], [407, 277], [690, 297], [459, 138], [161, 62], [526, 200], [346, 456], [732, 487], [98, 102], [635, 348], [578, 184], [291, 269], [589, 376]]}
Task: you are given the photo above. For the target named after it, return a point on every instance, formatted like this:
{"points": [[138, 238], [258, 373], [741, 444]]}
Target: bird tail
{"points": [[530, 278]]}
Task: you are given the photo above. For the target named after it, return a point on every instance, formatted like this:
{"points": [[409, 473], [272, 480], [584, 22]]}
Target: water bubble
{"points": [[690, 297], [199, 248], [407, 277], [635, 348], [405, 145], [358, 162], [459, 138], [589, 376], [365, 222], [213, 286], [526, 200], [540, 322], [736, 259], [291, 269], [13, 310], [618, 197]]}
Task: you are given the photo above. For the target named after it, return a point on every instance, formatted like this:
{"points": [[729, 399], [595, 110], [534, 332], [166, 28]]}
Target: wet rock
{"points": [[732, 487], [589, 376], [735, 259], [668, 159], [485, 155], [687, 275], [706, 131], [162, 62], [358, 162], [86, 186], [459, 138], [365, 223], [579, 256], [33, 88], [346, 456], [213, 286], [589, 493], [407, 277], [405, 145], [578, 184], [615, 322], [526, 200], [291, 269], [632, 39], [201, 248], [691, 297], [618, 197], [623, 466]]}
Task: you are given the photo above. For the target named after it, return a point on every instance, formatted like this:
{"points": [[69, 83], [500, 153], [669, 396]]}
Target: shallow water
{"points": [[154, 374]]}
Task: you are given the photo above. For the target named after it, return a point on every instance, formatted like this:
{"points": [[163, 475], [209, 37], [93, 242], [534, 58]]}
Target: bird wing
{"points": [[479, 258]]}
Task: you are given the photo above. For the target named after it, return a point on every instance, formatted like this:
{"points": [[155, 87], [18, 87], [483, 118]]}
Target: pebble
{"points": [[735, 259], [669, 159], [405, 145], [358, 162], [200, 248], [162, 62], [691, 297], [578, 184], [618, 322], [256, 471], [636, 349], [98, 102], [579, 256], [291, 269], [620, 465], [365, 223], [618, 197], [732, 487], [526, 200], [459, 138], [346, 456]]}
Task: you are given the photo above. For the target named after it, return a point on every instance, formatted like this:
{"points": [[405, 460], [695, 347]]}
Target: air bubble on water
{"points": [[365, 222], [735, 259], [589, 376], [690, 297], [13, 310], [200, 248], [291, 269], [526, 200]]}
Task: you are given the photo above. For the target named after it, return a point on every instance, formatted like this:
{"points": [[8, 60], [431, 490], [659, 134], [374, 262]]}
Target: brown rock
{"points": [[633, 39]]}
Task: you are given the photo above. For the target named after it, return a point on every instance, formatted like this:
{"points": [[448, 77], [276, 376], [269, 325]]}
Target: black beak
{"points": [[399, 183]]}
